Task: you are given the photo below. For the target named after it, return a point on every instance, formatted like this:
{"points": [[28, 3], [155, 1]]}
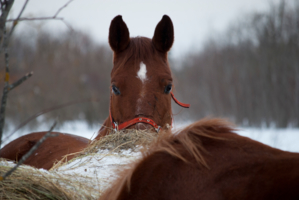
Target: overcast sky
{"points": [[194, 20]]}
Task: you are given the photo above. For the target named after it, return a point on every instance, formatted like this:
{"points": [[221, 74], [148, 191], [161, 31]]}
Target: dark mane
{"points": [[190, 139]]}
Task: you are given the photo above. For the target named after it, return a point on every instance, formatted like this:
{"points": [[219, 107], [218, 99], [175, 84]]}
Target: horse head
{"points": [[141, 80]]}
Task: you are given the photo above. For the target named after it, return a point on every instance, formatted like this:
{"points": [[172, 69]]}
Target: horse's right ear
{"points": [[164, 35], [119, 36]]}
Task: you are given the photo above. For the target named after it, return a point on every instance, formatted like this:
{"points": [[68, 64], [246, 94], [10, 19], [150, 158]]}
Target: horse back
{"points": [[51, 150]]}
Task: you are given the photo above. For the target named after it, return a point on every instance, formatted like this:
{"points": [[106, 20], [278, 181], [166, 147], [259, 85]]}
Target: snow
{"points": [[285, 139], [100, 168]]}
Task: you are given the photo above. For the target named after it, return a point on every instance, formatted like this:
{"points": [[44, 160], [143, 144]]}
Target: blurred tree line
{"points": [[251, 73], [67, 68]]}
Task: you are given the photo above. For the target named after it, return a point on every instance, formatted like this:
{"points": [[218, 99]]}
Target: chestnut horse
{"points": [[207, 160], [141, 92]]}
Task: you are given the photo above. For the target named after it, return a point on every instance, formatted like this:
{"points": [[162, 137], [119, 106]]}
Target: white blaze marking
{"points": [[141, 74]]}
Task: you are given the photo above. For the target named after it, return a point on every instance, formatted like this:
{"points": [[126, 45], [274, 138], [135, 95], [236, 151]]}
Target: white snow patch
{"points": [[282, 138], [99, 169]]}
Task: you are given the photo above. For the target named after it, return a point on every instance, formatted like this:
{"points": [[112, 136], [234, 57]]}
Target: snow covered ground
{"points": [[98, 170], [285, 139]]}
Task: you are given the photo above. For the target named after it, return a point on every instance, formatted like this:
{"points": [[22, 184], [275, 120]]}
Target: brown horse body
{"points": [[51, 150], [141, 84], [207, 160]]}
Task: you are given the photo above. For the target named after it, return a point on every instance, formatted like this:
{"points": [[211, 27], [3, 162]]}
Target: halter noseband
{"points": [[124, 125]]}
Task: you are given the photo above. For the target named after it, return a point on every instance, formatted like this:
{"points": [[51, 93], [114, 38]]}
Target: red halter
{"points": [[124, 125]]}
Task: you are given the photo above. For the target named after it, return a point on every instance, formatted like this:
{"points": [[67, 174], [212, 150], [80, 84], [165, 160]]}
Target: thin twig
{"points": [[16, 22], [5, 42], [5, 10], [67, 24], [21, 80], [34, 19], [62, 8], [54, 17], [31, 151], [22, 10], [7, 88], [5, 95], [43, 18]]}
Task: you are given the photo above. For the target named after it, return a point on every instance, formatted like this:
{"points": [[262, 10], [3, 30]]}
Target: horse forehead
{"points": [[141, 70]]}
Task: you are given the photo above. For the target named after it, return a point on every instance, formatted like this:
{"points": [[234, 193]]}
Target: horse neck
{"points": [[241, 171]]}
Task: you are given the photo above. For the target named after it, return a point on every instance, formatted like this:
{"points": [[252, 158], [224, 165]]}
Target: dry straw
{"points": [[31, 183], [122, 140]]}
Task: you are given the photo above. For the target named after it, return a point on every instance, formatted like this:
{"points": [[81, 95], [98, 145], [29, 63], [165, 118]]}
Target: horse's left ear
{"points": [[119, 36], [163, 36]]}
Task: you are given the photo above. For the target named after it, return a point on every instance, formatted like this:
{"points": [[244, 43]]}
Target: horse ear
{"points": [[163, 37], [119, 36]]}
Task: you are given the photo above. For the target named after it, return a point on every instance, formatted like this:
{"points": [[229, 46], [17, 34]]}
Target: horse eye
{"points": [[115, 90], [167, 89]]}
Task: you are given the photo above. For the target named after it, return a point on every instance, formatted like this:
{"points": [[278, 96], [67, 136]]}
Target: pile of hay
{"points": [[84, 177], [31, 183], [117, 141]]}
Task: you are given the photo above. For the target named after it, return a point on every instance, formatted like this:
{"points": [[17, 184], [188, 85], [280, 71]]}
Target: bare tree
{"points": [[5, 36]]}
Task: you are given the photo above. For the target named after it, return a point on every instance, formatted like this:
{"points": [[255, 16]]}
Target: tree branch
{"points": [[4, 96], [21, 80], [54, 17], [5, 42], [60, 9], [30, 152], [35, 18], [5, 8], [7, 88]]}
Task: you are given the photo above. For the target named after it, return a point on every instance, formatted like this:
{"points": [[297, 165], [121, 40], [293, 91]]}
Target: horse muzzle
{"points": [[143, 126]]}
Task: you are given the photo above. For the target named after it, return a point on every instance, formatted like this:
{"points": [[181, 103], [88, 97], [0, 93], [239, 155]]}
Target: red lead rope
{"points": [[141, 119], [185, 105]]}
